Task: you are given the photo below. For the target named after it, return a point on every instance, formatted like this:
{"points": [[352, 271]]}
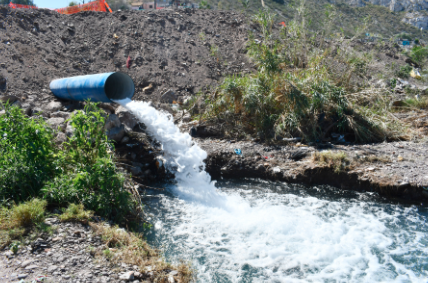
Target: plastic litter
{"points": [[238, 151], [415, 74], [128, 62], [40, 278]]}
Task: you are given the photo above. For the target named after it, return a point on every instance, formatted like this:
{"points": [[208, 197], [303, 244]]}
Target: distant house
{"points": [[148, 5], [136, 5]]}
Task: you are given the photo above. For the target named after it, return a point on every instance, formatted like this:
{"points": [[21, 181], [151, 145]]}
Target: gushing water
{"points": [[256, 231]]}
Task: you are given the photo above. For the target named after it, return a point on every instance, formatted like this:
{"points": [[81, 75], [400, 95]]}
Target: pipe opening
{"points": [[119, 86]]}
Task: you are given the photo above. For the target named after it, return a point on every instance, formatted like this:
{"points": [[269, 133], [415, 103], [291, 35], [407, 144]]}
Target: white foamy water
{"points": [[272, 232]]}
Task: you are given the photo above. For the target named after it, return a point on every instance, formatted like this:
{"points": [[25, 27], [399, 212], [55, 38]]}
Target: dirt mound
{"points": [[185, 50]]}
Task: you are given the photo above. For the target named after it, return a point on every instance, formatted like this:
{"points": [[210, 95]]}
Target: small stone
{"points": [[171, 279], [22, 276], [127, 276], [403, 184], [26, 263], [125, 140], [52, 268], [33, 266]]}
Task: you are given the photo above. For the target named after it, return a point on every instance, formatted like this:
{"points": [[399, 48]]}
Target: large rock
{"points": [[61, 114], [53, 106], [69, 130], [112, 121], [57, 123], [126, 118], [60, 138], [116, 133]]}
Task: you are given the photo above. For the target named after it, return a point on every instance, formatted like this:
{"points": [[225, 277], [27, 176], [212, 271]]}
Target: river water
{"points": [[259, 231]]}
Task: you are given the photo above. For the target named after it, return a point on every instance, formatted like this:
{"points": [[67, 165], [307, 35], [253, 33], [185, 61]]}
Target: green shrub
{"points": [[82, 172], [419, 54], [404, 72], [27, 155]]}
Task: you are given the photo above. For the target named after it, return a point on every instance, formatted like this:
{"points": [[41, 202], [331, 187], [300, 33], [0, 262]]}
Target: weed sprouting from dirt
{"points": [[15, 221], [122, 246], [77, 213], [335, 160]]}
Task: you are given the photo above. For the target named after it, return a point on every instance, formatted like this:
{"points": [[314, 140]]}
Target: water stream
{"points": [[259, 231]]}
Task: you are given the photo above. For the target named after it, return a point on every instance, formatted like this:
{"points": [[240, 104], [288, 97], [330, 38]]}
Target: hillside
{"points": [[381, 20]]}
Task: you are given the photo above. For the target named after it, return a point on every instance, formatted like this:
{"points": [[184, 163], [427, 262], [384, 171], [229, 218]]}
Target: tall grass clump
{"points": [[82, 171], [295, 92]]}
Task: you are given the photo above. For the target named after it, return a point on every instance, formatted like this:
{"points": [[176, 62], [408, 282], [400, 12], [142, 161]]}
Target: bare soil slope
{"points": [[185, 50]]}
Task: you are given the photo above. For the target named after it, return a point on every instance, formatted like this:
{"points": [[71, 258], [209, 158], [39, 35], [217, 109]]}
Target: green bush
{"points": [[82, 172], [419, 54], [404, 72], [27, 155]]}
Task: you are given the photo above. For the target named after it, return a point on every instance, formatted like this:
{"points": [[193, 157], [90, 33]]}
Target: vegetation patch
{"points": [[81, 170], [17, 220], [338, 161], [297, 92], [122, 246], [76, 213]]}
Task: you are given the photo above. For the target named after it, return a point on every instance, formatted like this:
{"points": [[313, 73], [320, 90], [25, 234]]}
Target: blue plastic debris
{"points": [[238, 151]]}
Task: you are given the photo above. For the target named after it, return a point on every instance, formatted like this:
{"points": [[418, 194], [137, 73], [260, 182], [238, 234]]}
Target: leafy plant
{"points": [[204, 5], [28, 157], [82, 172]]}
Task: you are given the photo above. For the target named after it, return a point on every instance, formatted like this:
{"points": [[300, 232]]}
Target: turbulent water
{"points": [[256, 231]]}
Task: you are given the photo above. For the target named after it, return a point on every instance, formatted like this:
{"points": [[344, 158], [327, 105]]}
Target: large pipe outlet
{"points": [[97, 88]]}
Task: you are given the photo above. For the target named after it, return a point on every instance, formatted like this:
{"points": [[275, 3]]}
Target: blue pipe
{"points": [[97, 88]]}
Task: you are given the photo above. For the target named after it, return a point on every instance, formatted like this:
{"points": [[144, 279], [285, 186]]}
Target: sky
{"points": [[53, 3]]}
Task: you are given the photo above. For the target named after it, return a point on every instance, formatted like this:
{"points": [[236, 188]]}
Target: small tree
{"points": [[72, 3]]}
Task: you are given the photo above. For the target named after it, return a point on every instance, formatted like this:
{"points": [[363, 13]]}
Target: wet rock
{"points": [[169, 96], [107, 107], [126, 118], [111, 122], [57, 123], [116, 133], [125, 140]]}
